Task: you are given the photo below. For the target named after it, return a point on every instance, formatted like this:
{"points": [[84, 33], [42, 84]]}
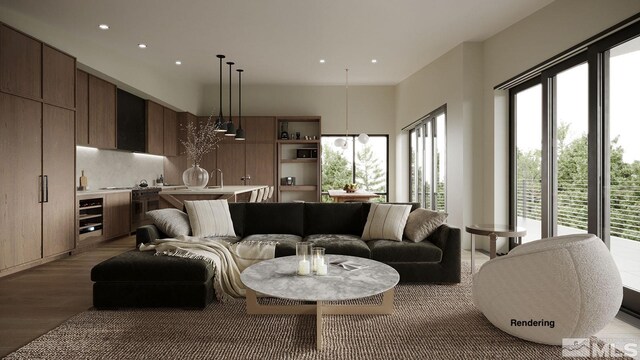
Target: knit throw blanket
{"points": [[228, 260]]}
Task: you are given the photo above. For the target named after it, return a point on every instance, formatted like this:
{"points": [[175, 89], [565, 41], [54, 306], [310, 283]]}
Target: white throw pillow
{"points": [[172, 222], [386, 221], [210, 218], [422, 223]]}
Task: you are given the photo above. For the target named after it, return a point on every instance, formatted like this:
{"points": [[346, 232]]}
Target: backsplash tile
{"points": [[105, 168]]}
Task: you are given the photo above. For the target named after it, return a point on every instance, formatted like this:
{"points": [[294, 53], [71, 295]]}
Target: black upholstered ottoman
{"points": [[141, 279]]}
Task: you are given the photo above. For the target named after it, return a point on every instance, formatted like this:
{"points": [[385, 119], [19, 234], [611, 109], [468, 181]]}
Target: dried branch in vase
{"points": [[200, 140]]}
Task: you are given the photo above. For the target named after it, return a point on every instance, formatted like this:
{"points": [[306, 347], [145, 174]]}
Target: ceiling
{"points": [[281, 41]]}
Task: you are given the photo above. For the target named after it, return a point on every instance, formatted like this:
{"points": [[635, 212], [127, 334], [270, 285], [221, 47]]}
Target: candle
{"points": [[304, 268], [322, 269]]}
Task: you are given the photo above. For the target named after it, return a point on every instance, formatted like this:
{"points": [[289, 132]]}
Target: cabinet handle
{"points": [[46, 188], [41, 189]]}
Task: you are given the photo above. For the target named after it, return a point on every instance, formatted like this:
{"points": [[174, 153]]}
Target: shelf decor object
{"points": [[240, 130], [363, 137], [220, 123], [231, 129]]}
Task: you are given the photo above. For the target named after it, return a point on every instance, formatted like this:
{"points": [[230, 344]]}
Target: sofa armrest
{"points": [[148, 233], [448, 240]]}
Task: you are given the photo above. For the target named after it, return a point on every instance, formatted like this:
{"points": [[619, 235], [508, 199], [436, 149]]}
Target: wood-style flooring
{"points": [[37, 300]]}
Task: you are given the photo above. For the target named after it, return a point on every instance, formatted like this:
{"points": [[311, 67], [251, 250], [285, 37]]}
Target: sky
{"points": [[572, 88]]}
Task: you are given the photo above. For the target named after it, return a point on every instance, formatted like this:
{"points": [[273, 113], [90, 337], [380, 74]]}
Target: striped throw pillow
{"points": [[210, 218], [386, 221]]}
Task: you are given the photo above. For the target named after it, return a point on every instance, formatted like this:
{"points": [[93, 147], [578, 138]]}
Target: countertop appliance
{"points": [[143, 200]]}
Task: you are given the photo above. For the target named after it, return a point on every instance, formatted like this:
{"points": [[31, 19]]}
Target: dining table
{"points": [[341, 196]]}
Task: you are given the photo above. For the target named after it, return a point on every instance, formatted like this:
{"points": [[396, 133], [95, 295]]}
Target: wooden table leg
{"points": [[319, 325]]}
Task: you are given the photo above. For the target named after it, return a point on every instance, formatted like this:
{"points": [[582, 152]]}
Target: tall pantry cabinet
{"points": [[37, 151]]}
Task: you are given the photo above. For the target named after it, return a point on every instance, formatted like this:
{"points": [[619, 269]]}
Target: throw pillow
{"points": [[172, 222], [422, 223], [210, 218], [386, 221]]}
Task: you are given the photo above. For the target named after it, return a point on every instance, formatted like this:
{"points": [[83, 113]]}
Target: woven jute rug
{"points": [[429, 322]]}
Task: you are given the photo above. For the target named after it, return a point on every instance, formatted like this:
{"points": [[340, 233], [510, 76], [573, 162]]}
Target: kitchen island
{"points": [[233, 193]]}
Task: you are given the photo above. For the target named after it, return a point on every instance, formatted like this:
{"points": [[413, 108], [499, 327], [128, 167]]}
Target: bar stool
{"points": [[265, 197], [260, 195], [254, 196], [271, 189]]}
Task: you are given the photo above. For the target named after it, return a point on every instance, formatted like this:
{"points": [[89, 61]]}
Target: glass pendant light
{"points": [[240, 130], [221, 125], [231, 129]]}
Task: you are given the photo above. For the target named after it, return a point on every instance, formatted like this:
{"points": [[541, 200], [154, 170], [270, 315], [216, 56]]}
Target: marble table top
{"points": [[278, 278]]}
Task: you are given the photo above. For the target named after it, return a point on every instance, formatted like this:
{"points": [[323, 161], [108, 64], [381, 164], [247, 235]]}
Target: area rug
{"points": [[429, 322]]}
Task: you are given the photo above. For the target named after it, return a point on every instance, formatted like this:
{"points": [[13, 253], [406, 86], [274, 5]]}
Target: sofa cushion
{"points": [[340, 244], [386, 221], [422, 223], [333, 218], [137, 265], [237, 216], [210, 218], [286, 242], [389, 251], [172, 222], [274, 218]]}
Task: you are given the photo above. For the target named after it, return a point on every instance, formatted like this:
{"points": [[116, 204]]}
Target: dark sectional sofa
{"points": [[135, 278]]}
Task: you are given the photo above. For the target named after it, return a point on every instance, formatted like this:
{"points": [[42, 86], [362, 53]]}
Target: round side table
{"points": [[493, 231]]}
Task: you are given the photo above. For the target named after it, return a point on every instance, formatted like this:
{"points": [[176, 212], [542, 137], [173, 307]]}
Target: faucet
{"points": [[221, 176]]}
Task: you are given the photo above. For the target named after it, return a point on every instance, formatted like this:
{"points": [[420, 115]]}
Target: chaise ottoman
{"points": [[141, 279]]}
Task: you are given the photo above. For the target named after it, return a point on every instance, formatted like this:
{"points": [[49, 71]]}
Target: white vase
{"points": [[195, 177]]}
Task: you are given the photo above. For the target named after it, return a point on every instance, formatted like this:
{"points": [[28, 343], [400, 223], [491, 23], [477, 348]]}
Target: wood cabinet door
{"points": [[260, 129], [117, 214], [82, 108], [58, 78], [170, 142], [58, 165], [261, 163], [21, 149], [102, 113], [20, 64], [155, 128], [230, 159]]}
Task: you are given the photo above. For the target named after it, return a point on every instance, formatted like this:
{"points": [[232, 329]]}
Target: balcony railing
{"points": [[572, 205]]}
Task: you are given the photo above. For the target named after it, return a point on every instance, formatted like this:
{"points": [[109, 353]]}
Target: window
{"points": [[575, 158], [364, 164], [427, 162]]}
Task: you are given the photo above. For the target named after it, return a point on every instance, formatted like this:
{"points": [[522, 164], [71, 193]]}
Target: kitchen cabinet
{"points": [[20, 146], [102, 113], [117, 214], [58, 78], [170, 136], [230, 159], [58, 168], [155, 128], [20, 64], [82, 108]]}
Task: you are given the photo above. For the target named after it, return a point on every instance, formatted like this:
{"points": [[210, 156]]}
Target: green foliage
{"points": [[336, 170], [369, 175]]}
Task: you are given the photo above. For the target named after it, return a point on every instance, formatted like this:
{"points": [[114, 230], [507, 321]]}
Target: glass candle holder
{"points": [[318, 261], [303, 258]]}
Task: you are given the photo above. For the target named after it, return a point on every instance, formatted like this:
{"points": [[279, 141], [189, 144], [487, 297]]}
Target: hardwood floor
{"points": [[37, 300]]}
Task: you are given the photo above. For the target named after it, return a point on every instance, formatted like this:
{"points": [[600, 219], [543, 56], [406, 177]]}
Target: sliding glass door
{"points": [[428, 161]]}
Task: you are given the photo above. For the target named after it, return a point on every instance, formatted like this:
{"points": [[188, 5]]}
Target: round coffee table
{"points": [[277, 278]]}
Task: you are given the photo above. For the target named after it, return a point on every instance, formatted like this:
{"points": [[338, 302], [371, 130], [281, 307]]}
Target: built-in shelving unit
{"points": [[90, 218], [298, 158]]}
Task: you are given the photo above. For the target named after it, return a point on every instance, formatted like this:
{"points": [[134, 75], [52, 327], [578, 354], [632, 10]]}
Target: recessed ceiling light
{"points": [[142, 46], [178, 62], [322, 61], [103, 26], [373, 61]]}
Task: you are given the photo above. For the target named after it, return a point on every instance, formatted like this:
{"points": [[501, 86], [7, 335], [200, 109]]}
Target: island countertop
{"points": [[226, 190]]}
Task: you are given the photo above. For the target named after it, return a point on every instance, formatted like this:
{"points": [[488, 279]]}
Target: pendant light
{"points": [[221, 126], [240, 130], [231, 129], [363, 138]]}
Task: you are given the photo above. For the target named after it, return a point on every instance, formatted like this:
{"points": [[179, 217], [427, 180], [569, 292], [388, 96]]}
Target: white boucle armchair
{"points": [[550, 289]]}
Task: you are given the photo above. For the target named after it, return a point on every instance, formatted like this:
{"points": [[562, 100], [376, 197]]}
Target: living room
{"points": [[454, 97]]}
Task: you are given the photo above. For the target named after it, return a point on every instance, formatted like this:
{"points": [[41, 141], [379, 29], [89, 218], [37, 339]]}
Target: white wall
{"points": [[128, 74], [105, 168], [371, 109]]}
